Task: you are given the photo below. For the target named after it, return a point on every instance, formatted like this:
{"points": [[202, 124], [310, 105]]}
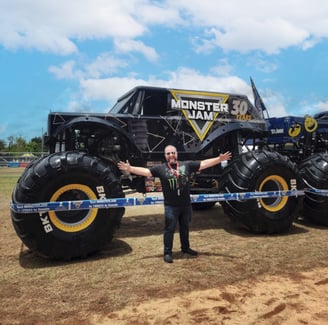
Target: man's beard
{"points": [[172, 161]]}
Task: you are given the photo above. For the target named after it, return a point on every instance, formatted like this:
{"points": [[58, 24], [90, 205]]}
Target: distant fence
{"points": [[19, 159], [17, 164]]}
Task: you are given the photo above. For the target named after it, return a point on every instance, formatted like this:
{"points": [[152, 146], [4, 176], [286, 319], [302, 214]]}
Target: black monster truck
{"points": [[84, 150]]}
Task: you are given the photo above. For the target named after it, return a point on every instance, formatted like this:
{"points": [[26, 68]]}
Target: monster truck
{"points": [[305, 141], [84, 149]]}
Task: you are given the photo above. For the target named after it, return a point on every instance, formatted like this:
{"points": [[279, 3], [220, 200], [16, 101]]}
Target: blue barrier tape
{"points": [[43, 207]]}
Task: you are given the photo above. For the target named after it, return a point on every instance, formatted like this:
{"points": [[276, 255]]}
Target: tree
{"points": [[19, 144], [11, 140], [35, 145], [2, 145]]}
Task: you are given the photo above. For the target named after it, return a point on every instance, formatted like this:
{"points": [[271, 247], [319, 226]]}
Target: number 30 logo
{"points": [[239, 107]]}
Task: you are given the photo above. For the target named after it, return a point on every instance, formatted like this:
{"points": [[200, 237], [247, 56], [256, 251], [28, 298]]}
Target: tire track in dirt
{"points": [[295, 299]]}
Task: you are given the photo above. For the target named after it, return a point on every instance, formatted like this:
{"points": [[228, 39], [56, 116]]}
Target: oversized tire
{"points": [[314, 171], [67, 176], [261, 171]]}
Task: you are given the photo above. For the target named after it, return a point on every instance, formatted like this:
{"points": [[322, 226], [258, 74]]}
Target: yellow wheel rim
{"points": [[84, 220], [273, 183], [295, 130], [310, 124]]}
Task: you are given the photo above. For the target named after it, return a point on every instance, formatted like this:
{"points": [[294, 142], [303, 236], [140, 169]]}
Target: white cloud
{"points": [[192, 79], [274, 102], [224, 68], [78, 106], [159, 13], [309, 107], [126, 46], [322, 106], [110, 89], [275, 107], [248, 35], [262, 63], [64, 71], [256, 24], [55, 26], [59, 26], [103, 65]]}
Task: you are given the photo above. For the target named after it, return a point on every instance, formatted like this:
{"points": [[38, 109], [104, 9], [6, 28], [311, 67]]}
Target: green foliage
{"points": [[35, 145], [19, 144], [2, 145]]}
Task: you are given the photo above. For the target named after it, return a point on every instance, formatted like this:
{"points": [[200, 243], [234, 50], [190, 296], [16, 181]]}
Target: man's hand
{"points": [[124, 166], [214, 161], [225, 156]]}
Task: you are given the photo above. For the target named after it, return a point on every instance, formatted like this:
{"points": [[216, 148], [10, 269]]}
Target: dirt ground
{"points": [[238, 278]]}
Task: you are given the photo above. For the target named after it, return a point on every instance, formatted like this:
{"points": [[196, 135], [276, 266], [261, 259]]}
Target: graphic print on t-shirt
{"points": [[177, 179], [175, 189]]}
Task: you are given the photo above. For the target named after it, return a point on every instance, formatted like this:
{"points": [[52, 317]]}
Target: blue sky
{"points": [[81, 55]]}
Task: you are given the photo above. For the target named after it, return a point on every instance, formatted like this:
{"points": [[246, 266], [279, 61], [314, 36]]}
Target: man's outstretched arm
{"points": [[141, 171], [215, 161]]}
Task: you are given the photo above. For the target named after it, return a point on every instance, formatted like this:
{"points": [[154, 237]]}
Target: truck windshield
{"points": [[125, 104]]}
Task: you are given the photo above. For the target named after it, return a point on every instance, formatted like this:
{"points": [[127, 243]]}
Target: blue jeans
{"points": [[173, 215]]}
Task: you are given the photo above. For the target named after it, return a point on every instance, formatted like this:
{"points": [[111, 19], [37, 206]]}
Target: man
{"points": [[174, 176]]}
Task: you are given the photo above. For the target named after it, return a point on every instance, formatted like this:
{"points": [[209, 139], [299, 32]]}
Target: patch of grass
{"points": [[8, 179]]}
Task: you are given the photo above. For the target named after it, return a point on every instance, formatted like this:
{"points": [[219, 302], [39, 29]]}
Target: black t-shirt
{"points": [[175, 183]]}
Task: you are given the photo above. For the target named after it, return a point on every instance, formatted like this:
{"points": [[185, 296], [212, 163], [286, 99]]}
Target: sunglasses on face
{"points": [[170, 153]]}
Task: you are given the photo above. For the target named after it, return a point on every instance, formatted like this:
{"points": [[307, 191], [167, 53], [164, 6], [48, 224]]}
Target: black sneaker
{"points": [[168, 258], [190, 251]]}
